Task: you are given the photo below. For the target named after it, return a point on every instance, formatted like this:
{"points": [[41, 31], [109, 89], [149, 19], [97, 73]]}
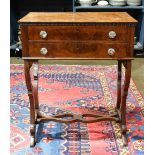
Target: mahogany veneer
{"points": [[84, 36], [79, 33]]}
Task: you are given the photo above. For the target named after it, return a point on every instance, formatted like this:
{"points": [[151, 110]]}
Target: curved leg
{"points": [[119, 84], [124, 96], [27, 66], [35, 84]]}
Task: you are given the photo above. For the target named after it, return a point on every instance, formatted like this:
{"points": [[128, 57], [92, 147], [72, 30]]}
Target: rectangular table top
{"points": [[78, 17]]}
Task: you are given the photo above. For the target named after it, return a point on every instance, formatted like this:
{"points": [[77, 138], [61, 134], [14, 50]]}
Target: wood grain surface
{"points": [[76, 49], [70, 17], [79, 33]]}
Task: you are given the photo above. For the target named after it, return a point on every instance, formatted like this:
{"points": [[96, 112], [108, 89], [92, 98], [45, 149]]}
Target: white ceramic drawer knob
{"points": [[43, 51], [111, 51], [43, 34], [112, 34]]}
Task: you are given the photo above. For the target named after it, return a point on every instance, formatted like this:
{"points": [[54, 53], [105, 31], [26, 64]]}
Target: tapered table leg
{"points": [[127, 65], [119, 84], [27, 66]]}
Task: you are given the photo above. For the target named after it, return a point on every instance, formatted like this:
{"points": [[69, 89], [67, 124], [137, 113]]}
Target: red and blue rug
{"points": [[77, 89]]}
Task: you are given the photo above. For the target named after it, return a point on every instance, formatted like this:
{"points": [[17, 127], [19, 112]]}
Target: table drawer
{"points": [[77, 49], [54, 49], [106, 33]]}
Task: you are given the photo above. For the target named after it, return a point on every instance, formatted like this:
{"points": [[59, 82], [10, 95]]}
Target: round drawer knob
{"points": [[43, 34], [43, 51], [111, 51], [112, 34]]}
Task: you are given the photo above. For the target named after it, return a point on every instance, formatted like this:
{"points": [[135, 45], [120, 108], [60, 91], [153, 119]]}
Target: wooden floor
{"points": [[137, 67]]}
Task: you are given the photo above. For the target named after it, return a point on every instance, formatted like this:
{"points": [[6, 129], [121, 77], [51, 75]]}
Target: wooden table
{"points": [[83, 36]]}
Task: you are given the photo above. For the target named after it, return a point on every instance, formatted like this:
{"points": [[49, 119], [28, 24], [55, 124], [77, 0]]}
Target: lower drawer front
{"points": [[77, 50]]}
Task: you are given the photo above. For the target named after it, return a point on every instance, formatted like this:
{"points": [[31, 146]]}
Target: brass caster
{"points": [[32, 142], [125, 142]]}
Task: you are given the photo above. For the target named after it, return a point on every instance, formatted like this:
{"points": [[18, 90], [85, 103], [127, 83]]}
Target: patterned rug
{"points": [[77, 89]]}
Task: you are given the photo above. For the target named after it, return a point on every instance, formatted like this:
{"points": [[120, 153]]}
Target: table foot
{"points": [[124, 129], [32, 142], [124, 137], [32, 134]]}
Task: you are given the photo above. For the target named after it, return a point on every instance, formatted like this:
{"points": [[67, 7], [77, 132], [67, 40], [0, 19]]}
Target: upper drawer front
{"points": [[77, 50], [105, 33]]}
